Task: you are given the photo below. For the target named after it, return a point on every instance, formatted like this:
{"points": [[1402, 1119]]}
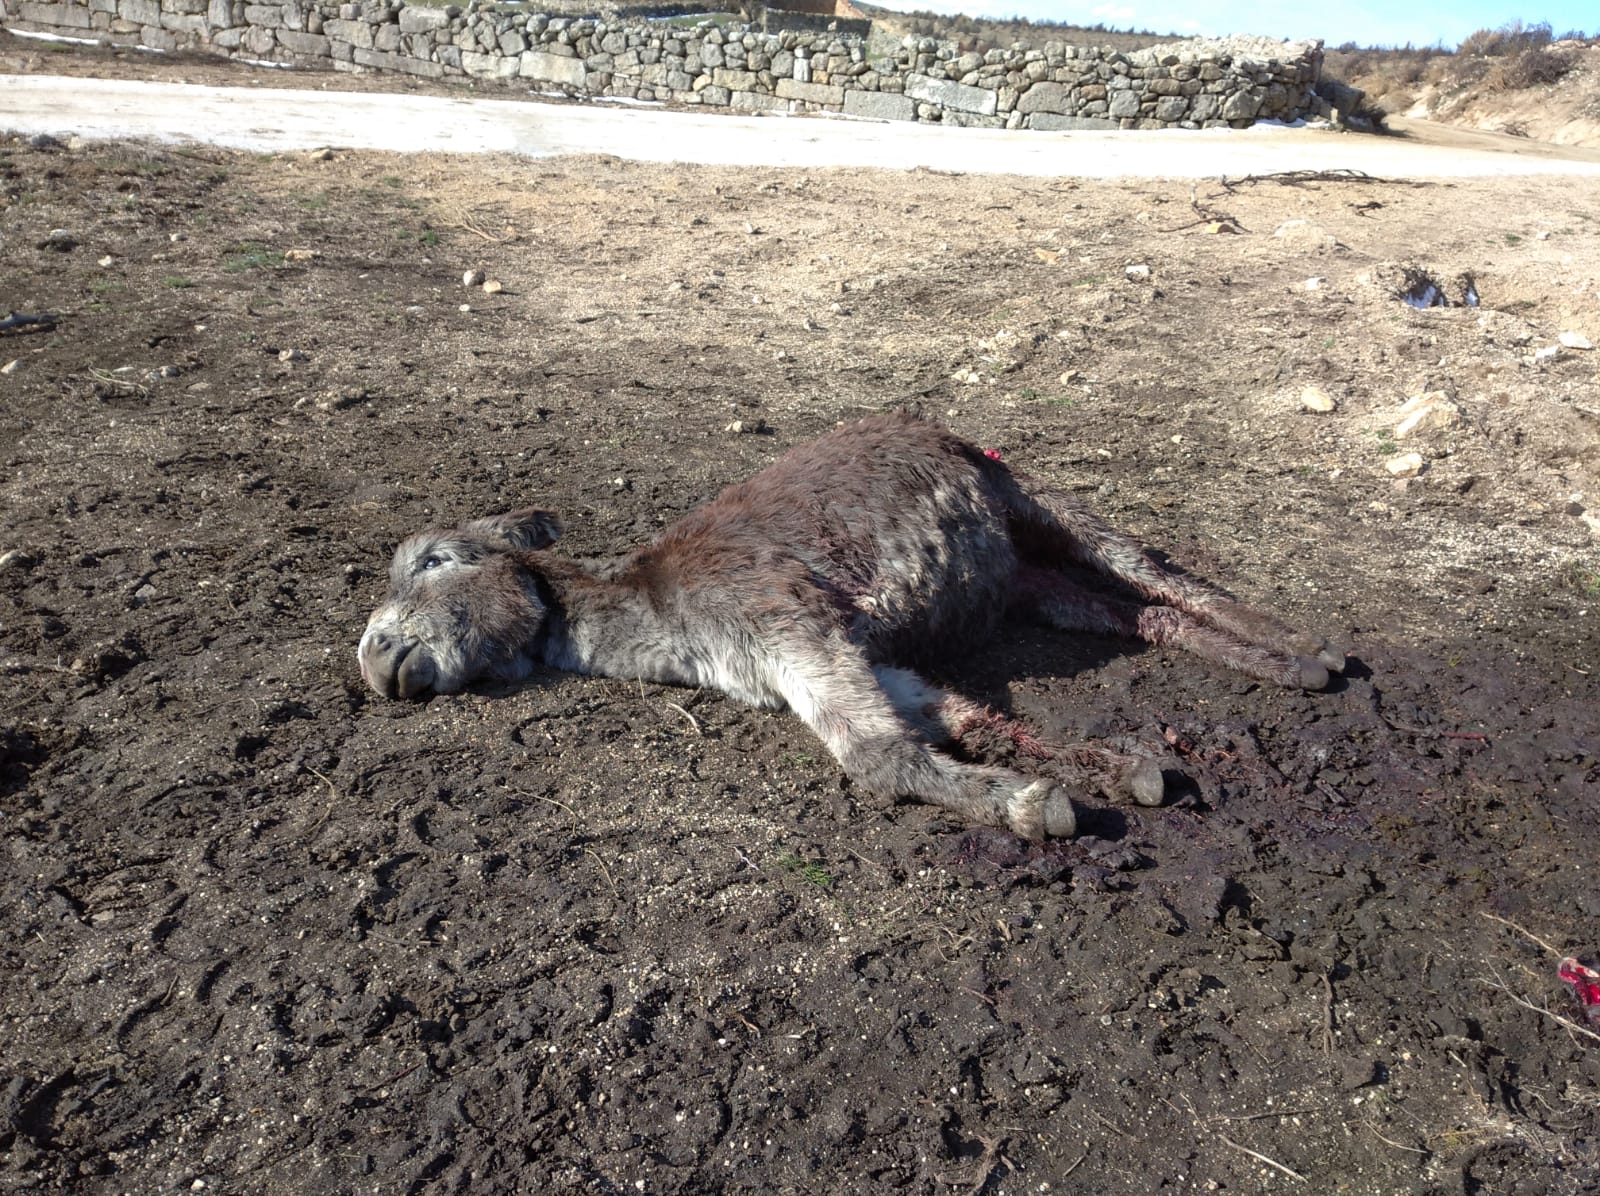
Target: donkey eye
{"points": [[432, 562]]}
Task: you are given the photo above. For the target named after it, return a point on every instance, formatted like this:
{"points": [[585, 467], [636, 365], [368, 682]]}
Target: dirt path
{"points": [[263, 932], [1454, 137]]}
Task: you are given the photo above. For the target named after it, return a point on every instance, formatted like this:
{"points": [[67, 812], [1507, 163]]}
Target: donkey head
{"points": [[463, 603]]}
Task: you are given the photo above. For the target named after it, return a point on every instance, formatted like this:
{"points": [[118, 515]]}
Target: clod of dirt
{"points": [[111, 660], [338, 400], [60, 240]]}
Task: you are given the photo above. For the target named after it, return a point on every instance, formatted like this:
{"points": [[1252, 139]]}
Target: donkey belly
{"points": [[944, 594]]}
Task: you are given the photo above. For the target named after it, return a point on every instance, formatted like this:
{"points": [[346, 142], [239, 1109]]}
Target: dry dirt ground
{"points": [[265, 932]]}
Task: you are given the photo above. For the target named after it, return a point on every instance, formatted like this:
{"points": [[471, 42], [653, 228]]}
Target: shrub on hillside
{"points": [[1531, 68], [1512, 38], [1391, 78]]}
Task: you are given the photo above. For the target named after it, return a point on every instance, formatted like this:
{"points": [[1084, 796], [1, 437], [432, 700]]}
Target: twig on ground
{"points": [[396, 1078], [560, 805], [1207, 215], [1525, 933], [981, 1170], [958, 941], [1571, 1025], [328, 813], [1261, 1116], [747, 862], [107, 378], [693, 722], [468, 223], [1109, 1124], [986, 1165], [1299, 178], [1397, 1145], [865, 860], [1327, 1013], [604, 871], [1261, 1158], [1264, 1115], [1330, 792]]}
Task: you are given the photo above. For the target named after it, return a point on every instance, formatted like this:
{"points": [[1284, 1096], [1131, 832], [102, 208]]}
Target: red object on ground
{"points": [[992, 454], [1585, 985]]}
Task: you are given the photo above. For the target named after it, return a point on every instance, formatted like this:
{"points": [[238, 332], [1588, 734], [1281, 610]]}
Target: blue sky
{"points": [[1370, 22]]}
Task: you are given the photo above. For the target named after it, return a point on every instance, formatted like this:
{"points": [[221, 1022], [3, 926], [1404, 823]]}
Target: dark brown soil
{"points": [[265, 932]]}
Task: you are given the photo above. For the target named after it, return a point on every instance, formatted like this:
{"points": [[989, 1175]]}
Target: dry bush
{"points": [[1531, 68], [1461, 74], [1513, 57], [1391, 78], [1512, 38], [1450, 71]]}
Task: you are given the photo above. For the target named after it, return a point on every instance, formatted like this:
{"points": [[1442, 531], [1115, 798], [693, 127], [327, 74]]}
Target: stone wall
{"points": [[1198, 84]]}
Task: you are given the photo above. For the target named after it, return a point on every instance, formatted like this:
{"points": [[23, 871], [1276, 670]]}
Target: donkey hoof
{"points": [[1041, 809], [1333, 659], [1313, 673], [1146, 784], [1060, 820]]}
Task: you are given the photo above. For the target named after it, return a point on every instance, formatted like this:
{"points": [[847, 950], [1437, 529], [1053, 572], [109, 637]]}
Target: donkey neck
{"points": [[599, 625]]}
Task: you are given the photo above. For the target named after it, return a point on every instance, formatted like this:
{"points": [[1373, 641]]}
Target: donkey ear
{"points": [[527, 528]]}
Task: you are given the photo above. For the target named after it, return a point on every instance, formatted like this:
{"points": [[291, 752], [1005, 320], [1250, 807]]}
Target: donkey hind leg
{"points": [[834, 692], [1067, 526], [944, 717], [1055, 599]]}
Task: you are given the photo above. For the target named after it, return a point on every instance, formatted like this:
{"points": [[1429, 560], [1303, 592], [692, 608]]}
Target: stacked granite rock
{"points": [[1196, 84]]}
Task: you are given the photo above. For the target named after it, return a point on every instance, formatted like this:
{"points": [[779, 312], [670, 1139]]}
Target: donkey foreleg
{"points": [[944, 717], [834, 692]]}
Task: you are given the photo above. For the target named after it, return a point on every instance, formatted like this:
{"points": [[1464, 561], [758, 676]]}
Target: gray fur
{"points": [[811, 586]]}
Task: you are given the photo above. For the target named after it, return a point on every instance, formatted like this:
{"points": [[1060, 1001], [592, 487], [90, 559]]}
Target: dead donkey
{"points": [[810, 586]]}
